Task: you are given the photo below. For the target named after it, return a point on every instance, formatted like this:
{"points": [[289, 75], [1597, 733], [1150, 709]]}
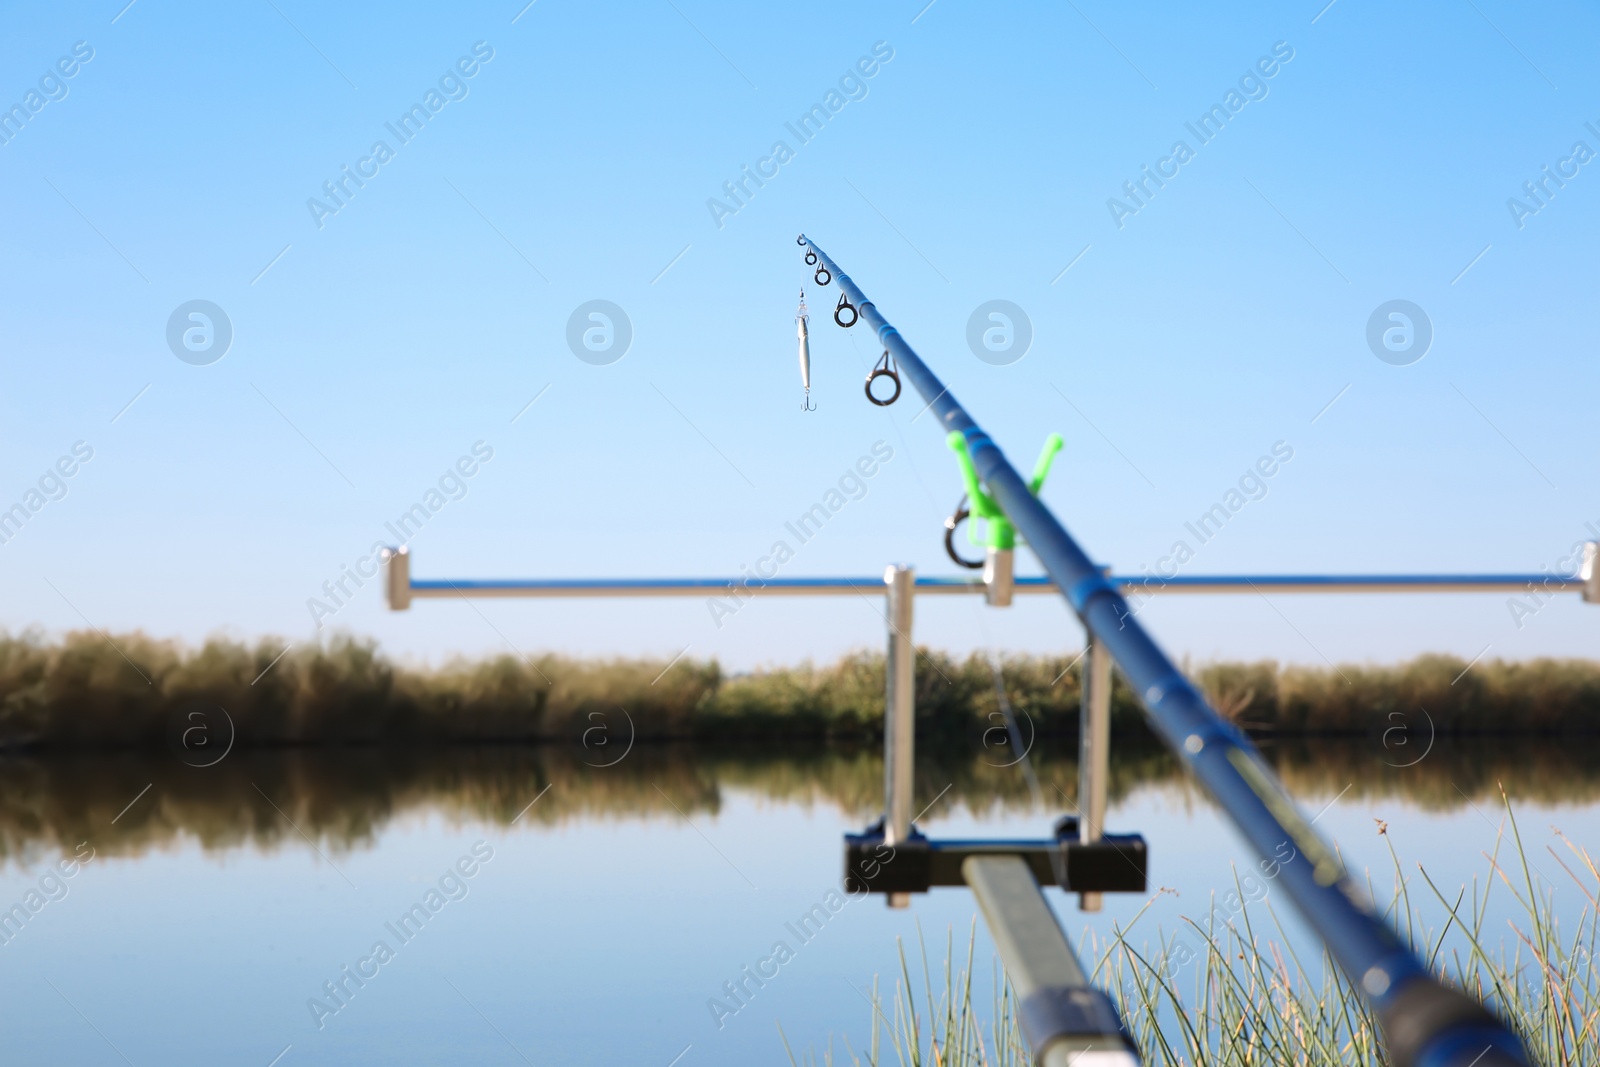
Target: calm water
{"points": [[594, 926]]}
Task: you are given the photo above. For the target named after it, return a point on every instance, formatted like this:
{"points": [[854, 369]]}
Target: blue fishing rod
{"points": [[1425, 1023]]}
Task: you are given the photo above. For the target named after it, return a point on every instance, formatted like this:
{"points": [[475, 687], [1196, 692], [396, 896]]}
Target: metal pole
{"points": [[1062, 1016], [397, 577], [1426, 1023], [899, 723], [1094, 751], [999, 577]]}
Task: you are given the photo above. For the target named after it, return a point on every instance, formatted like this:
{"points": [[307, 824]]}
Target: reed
{"points": [[88, 690]]}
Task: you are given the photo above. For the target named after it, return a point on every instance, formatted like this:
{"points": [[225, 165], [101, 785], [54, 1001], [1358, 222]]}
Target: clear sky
{"points": [[571, 153]]}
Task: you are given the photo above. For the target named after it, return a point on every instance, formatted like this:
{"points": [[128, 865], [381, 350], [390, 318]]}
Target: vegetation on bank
{"points": [[1231, 991], [128, 691]]}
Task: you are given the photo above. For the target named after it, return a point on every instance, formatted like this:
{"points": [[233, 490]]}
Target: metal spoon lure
{"points": [[800, 317]]}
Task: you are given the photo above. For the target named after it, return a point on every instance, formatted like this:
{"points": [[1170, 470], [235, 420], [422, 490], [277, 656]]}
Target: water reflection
{"points": [[341, 799]]}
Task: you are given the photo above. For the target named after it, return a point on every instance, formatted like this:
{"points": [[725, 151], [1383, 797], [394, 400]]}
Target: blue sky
{"points": [[373, 351]]}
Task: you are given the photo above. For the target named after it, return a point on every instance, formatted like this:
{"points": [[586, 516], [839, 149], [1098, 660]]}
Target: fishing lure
{"points": [[800, 317]]}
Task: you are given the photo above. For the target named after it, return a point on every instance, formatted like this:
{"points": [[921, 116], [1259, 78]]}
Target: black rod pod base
{"points": [[1117, 863]]}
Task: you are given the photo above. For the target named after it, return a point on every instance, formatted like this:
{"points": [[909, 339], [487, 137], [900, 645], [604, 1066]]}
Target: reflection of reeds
{"points": [[341, 798], [1232, 992], [90, 692]]}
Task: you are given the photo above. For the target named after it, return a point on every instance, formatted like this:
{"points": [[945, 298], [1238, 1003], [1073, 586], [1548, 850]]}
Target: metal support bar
{"points": [[1425, 1023], [1094, 750], [400, 594], [899, 713], [1066, 1020]]}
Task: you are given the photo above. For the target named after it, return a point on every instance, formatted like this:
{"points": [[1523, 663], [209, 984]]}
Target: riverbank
{"points": [[126, 691]]}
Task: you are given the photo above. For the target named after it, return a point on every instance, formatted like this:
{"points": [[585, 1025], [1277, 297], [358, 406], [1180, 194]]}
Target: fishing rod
{"points": [[1425, 1023]]}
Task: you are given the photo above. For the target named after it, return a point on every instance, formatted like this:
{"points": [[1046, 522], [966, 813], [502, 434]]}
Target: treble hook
{"points": [[806, 404], [885, 368]]}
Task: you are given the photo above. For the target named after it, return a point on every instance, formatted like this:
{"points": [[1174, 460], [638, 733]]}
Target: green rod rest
{"points": [[998, 532]]}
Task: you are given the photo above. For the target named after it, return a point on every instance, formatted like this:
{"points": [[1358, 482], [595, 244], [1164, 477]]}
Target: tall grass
{"points": [[121, 691], [943, 1029], [1235, 993], [1535, 696]]}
